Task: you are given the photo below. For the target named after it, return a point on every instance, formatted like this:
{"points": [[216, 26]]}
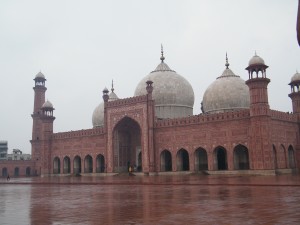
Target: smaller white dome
{"points": [[256, 60], [112, 96], [296, 77], [40, 75], [47, 104], [98, 114]]}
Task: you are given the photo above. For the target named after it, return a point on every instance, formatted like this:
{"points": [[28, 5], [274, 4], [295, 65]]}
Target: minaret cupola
{"points": [[257, 66], [295, 92], [47, 109], [40, 79], [258, 86]]}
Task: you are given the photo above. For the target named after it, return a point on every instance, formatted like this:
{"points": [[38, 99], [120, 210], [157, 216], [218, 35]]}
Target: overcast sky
{"points": [[80, 46]]}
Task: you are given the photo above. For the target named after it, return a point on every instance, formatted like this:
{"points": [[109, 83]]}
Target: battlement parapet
{"points": [[79, 133], [285, 116], [126, 101], [203, 118]]}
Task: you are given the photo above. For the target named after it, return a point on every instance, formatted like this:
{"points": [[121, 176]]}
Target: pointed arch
{"points": [[241, 158], [284, 158], [77, 165], [67, 165], [201, 162], [220, 155], [291, 157], [16, 172], [127, 149], [275, 157], [100, 164], [56, 165], [88, 164], [165, 161], [4, 172], [183, 162], [28, 171], [281, 157]]}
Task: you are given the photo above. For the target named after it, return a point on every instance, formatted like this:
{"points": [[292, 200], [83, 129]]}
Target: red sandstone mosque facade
{"points": [[155, 131]]}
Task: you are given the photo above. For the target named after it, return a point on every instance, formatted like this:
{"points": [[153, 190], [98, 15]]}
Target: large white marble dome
{"points": [[227, 93], [172, 93]]}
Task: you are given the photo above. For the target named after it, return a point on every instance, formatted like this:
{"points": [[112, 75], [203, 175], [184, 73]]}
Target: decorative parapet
{"points": [[285, 116], [204, 118], [79, 133], [126, 101]]}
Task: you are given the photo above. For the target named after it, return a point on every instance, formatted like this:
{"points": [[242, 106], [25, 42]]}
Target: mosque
{"points": [[155, 131]]}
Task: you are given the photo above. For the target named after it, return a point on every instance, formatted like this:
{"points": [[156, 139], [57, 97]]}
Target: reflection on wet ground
{"points": [[189, 199]]}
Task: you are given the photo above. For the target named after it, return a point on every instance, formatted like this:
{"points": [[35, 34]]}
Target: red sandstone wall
{"points": [[208, 135], [226, 130], [78, 143], [21, 164]]}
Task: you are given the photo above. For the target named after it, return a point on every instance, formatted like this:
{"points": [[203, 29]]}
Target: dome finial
{"points": [[226, 64], [162, 58], [255, 54], [112, 86]]}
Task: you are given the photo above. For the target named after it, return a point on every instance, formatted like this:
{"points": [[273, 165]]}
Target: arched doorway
{"points": [[127, 145], [100, 164], [221, 158], [67, 165], [77, 165], [241, 158], [201, 160], [281, 157], [56, 165], [165, 161], [183, 163], [280, 160], [88, 164], [4, 172], [275, 158], [28, 171], [17, 172], [291, 155]]}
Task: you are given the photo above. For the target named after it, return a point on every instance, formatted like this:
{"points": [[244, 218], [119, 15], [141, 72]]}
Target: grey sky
{"points": [[80, 46]]}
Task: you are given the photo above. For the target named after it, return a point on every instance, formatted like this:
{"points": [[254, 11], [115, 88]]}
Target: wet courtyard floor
{"points": [[173, 199]]}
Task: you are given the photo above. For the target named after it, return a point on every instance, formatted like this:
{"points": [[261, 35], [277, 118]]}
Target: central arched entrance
{"points": [[127, 146]]}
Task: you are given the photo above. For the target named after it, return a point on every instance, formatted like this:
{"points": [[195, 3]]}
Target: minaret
{"points": [[295, 92], [258, 86], [47, 119], [39, 92], [259, 133], [39, 99]]}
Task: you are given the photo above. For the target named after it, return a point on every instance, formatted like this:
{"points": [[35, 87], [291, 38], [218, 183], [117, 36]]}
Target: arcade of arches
{"points": [[16, 172], [127, 150]]}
